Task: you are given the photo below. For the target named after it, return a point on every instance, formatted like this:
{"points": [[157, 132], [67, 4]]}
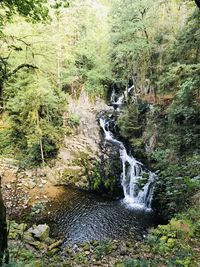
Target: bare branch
{"points": [[28, 66]]}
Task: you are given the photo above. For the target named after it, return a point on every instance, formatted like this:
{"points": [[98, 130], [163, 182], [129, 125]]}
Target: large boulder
{"points": [[41, 231]]}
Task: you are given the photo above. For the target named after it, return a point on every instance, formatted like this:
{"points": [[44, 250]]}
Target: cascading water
{"points": [[81, 216], [120, 101], [137, 183]]}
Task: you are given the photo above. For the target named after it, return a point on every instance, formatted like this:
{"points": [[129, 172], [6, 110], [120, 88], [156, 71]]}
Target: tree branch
{"points": [[28, 66]]}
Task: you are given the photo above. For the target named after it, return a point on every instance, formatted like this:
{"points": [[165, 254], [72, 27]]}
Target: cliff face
{"points": [[84, 160], [81, 154]]}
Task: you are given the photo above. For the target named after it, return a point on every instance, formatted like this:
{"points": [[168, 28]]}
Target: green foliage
{"points": [[73, 56], [103, 249], [175, 240], [138, 263], [130, 39], [5, 148], [186, 48], [96, 181], [35, 119], [73, 120], [99, 183], [91, 61], [185, 108], [80, 258], [32, 10], [131, 125], [143, 180], [174, 188]]}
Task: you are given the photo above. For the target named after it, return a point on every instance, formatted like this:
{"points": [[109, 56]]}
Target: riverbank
{"points": [[174, 244], [25, 189]]}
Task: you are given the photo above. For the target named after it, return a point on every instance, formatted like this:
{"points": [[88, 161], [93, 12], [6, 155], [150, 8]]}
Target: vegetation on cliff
{"points": [[52, 49], [161, 123]]}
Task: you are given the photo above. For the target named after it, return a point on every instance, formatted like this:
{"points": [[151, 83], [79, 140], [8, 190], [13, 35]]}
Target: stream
{"points": [[81, 216]]}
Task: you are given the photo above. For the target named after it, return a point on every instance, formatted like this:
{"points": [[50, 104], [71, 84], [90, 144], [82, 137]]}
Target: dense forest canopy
{"points": [[146, 52], [53, 55]]}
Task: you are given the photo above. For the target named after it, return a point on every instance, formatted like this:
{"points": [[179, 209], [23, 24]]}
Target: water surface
{"points": [[80, 216]]}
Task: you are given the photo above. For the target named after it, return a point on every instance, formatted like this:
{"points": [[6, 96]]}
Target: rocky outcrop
{"points": [[81, 154], [84, 160]]}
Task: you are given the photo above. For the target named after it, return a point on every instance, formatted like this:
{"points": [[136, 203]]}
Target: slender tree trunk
{"points": [[42, 152], [40, 138], [1, 96], [59, 55], [4, 256]]}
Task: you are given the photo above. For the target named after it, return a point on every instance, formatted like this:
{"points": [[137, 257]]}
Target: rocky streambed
{"points": [[32, 246]]}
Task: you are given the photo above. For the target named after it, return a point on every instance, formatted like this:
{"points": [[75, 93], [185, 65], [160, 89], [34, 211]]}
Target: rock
{"points": [[49, 241], [123, 251], [38, 245], [53, 252], [86, 246], [8, 186], [129, 244], [56, 244], [41, 231], [95, 243], [31, 184], [37, 263], [28, 238]]}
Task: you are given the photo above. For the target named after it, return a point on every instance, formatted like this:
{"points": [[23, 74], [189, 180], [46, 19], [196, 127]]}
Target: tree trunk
{"points": [[59, 55], [1, 96], [4, 257], [42, 152], [40, 138]]}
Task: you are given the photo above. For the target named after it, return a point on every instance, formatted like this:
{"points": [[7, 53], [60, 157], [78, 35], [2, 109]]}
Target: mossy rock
{"points": [[53, 252], [37, 263], [86, 246], [41, 231]]}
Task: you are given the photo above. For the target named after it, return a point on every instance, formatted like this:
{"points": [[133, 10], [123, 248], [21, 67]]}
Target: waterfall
{"points": [[120, 101], [137, 182]]}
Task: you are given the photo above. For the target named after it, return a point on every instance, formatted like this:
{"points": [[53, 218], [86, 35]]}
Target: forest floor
{"points": [[25, 189]]}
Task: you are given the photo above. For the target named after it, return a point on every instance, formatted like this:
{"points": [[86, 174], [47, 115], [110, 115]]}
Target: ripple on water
{"points": [[82, 216]]}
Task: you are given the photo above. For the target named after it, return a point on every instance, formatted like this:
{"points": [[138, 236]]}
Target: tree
{"points": [[33, 11], [35, 114], [132, 40], [3, 231]]}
